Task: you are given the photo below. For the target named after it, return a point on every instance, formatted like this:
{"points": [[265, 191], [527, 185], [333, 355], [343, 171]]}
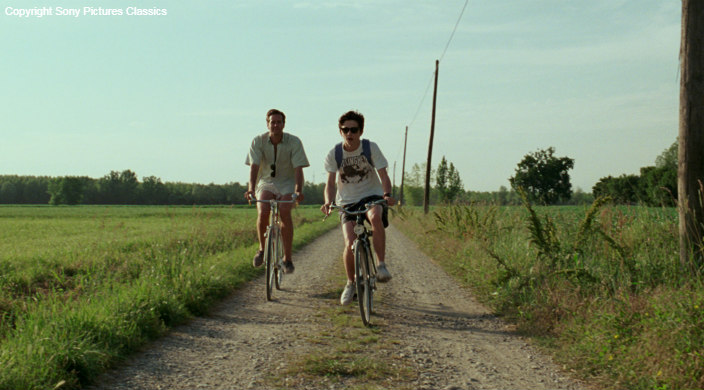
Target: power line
{"points": [[453, 30], [430, 82]]}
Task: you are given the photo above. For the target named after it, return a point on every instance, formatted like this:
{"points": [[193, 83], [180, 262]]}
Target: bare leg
{"points": [[347, 254], [263, 217], [379, 234], [286, 227]]}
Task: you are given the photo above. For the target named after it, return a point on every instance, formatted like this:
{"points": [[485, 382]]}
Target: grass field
{"points": [[601, 287], [82, 287]]}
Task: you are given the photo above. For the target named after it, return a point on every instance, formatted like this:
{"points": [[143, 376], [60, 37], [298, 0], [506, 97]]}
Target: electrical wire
{"points": [[430, 82], [454, 30]]}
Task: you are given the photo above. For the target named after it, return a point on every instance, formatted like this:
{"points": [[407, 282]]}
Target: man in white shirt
{"points": [[276, 161]]}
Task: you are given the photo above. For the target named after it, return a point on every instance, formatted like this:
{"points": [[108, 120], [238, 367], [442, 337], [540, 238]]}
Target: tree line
{"points": [[541, 176], [125, 188], [655, 186]]}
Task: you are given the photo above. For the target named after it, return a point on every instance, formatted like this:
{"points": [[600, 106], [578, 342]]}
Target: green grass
{"points": [[83, 287], [601, 287]]}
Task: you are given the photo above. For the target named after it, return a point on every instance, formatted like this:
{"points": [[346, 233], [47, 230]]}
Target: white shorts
{"points": [[268, 187]]}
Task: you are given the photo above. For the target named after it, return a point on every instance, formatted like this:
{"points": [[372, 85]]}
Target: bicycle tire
{"points": [[279, 270], [371, 266], [269, 259], [364, 291]]}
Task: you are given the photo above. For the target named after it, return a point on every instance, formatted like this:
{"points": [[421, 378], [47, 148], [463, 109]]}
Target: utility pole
{"points": [[690, 175], [403, 168], [393, 182], [426, 200]]}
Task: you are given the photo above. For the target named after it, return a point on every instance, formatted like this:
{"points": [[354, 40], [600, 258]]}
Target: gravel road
{"points": [[438, 332]]}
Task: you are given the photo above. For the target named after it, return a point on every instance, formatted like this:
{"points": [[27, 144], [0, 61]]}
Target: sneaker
{"points": [[382, 274], [258, 259], [347, 294], [288, 267]]}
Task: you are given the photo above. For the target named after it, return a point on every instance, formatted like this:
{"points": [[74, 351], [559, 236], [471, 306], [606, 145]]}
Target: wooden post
{"points": [[690, 176], [403, 168], [426, 200], [393, 182]]}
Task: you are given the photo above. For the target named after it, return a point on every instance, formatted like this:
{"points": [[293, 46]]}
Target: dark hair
{"points": [[274, 111], [352, 116]]}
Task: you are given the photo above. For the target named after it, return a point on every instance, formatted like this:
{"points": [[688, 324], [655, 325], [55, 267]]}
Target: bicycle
{"points": [[364, 264], [273, 246]]}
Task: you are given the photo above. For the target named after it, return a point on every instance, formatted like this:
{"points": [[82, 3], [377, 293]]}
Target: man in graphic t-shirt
{"points": [[357, 168]]}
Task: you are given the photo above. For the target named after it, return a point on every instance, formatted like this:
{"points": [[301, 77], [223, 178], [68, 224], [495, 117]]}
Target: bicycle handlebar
{"points": [[367, 206], [253, 198]]}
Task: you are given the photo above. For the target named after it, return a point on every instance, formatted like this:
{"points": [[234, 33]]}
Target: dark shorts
{"points": [[361, 205]]}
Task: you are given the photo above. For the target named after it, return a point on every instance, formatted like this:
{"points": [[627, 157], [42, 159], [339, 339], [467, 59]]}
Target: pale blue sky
{"points": [[181, 96]]}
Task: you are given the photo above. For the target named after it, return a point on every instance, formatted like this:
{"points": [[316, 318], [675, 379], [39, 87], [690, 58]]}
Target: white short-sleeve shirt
{"points": [[356, 177], [289, 155]]}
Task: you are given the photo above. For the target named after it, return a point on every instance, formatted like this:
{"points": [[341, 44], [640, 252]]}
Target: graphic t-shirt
{"points": [[356, 178]]}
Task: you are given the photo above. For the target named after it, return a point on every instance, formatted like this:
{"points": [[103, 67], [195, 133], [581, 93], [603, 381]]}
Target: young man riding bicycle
{"points": [[276, 161], [355, 160]]}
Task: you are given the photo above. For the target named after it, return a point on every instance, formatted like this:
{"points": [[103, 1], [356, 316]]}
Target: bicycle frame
{"points": [[273, 247]]}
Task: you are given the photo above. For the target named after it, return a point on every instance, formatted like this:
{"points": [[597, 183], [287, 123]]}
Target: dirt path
{"points": [[437, 332]]}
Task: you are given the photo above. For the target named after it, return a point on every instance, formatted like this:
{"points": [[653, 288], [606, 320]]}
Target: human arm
{"points": [[252, 185], [298, 189], [386, 186], [329, 192]]}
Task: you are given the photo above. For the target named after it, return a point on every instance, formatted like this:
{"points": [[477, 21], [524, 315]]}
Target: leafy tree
{"points": [[624, 189], [413, 188], [66, 190], [544, 177], [668, 158], [441, 180], [8, 192], [118, 187], [447, 182], [153, 191], [313, 193], [454, 185], [579, 197]]}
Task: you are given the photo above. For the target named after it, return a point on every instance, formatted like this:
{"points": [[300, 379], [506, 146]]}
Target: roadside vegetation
{"points": [[601, 287], [83, 287]]}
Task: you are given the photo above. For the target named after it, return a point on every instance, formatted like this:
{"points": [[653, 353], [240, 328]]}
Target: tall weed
{"points": [[601, 286]]}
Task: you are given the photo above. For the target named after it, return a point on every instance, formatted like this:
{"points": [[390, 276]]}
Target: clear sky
{"points": [[180, 96]]}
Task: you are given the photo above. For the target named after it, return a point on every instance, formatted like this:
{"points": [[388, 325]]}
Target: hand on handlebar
{"points": [[390, 200], [298, 197], [325, 209], [249, 195]]}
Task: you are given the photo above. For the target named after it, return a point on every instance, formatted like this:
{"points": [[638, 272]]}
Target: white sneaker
{"points": [[382, 274], [347, 294]]}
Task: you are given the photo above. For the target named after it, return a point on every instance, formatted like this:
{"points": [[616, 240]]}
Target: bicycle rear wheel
{"points": [[269, 258], [364, 288]]}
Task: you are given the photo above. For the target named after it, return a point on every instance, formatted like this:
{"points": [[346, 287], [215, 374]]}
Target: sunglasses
{"points": [[273, 170], [346, 130]]}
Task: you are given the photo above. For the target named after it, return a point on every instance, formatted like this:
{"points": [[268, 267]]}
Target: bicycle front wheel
{"points": [[364, 288], [269, 259], [279, 271]]}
